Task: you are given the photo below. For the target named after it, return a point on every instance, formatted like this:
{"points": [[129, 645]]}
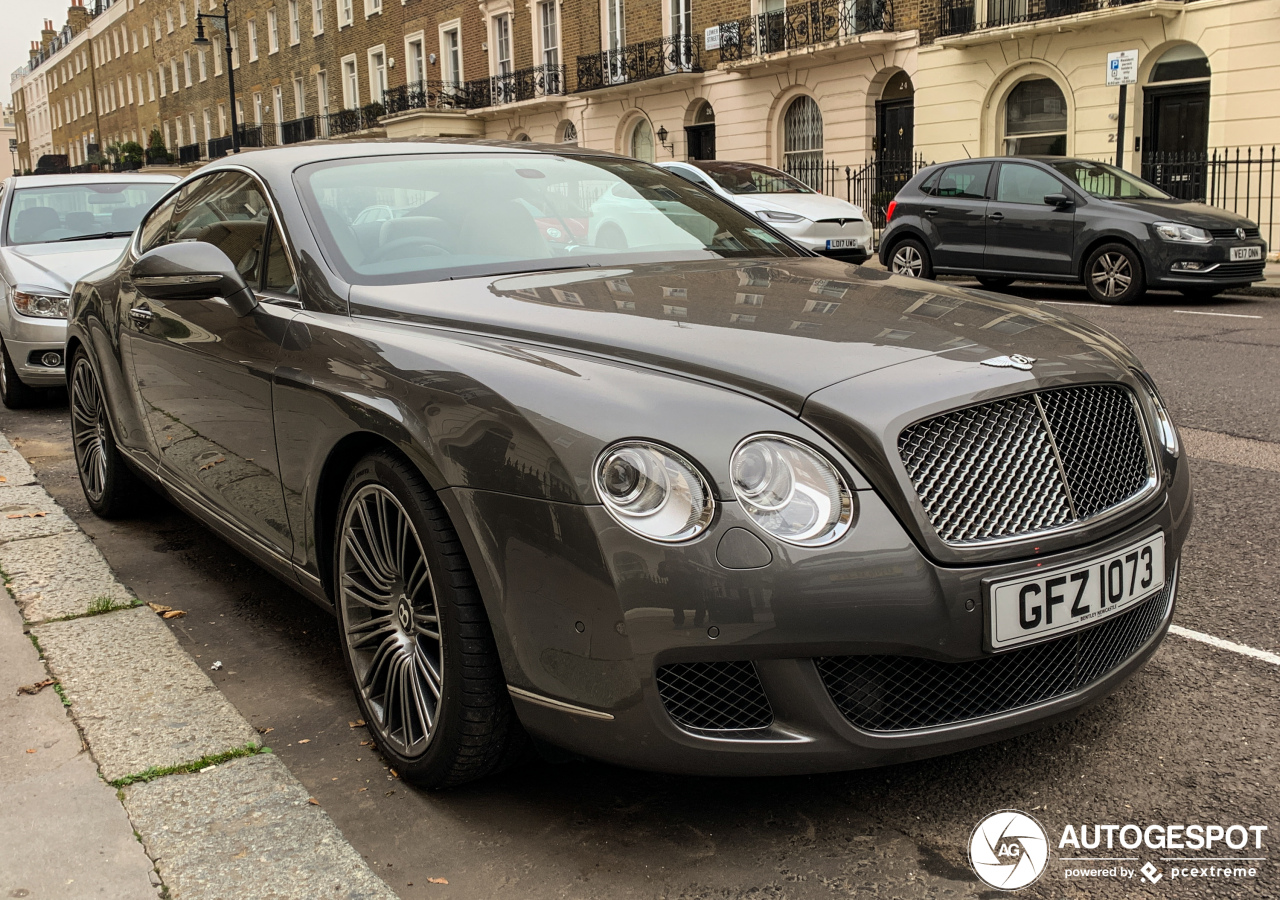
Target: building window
{"points": [[277, 104], [273, 32], [1035, 119], [350, 83], [168, 20], [191, 126], [802, 140], [257, 107], [346, 13], [208, 126], [1182, 63], [451, 55], [182, 13], [222, 120], [502, 40], [151, 88], [173, 68], [371, 7], [234, 38], [549, 27], [568, 133], [640, 142], [417, 67], [253, 40], [317, 16], [159, 76], [294, 30], [186, 68], [322, 92], [217, 56], [204, 65], [377, 75]]}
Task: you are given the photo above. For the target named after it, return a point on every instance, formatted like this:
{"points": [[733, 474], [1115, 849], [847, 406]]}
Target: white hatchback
{"points": [[826, 225]]}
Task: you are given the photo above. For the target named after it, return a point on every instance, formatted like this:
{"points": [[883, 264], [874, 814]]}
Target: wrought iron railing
{"points": [[802, 25], [640, 61], [527, 84], [1241, 179], [426, 95], [263, 135], [189, 153], [295, 131], [344, 121], [871, 185], [964, 16]]}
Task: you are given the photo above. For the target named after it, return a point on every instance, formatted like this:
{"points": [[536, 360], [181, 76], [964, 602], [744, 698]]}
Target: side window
{"points": [[278, 277], [228, 211], [1025, 184], [930, 186], [968, 181], [155, 230], [690, 176]]}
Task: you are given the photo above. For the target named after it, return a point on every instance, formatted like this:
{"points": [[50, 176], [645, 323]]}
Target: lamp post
{"points": [[202, 41]]}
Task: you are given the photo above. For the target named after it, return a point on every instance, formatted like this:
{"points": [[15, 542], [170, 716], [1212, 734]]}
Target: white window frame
{"points": [[151, 88], [182, 13], [350, 74], [191, 126], [168, 20], [415, 57], [159, 77], [234, 37], [501, 59], [208, 125], [317, 17], [277, 104], [299, 97], [377, 74], [346, 13], [253, 39], [219, 50], [202, 64], [451, 71], [372, 8], [541, 45], [295, 25], [613, 36], [222, 120], [173, 68], [322, 92], [257, 107], [186, 68], [273, 32]]}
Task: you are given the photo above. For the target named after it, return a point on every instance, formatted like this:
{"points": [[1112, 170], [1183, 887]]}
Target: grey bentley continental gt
{"points": [[675, 494]]}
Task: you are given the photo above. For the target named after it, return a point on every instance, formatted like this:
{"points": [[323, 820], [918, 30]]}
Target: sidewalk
{"points": [[124, 772]]}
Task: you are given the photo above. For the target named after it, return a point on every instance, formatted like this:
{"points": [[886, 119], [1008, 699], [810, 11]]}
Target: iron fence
{"points": [[871, 185], [344, 121], [425, 94], [526, 84], [1241, 179], [189, 153], [802, 25], [158, 157], [295, 131], [640, 61], [961, 16]]}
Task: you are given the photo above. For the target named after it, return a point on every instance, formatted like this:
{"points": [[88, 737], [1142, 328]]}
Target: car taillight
{"points": [[893, 204]]}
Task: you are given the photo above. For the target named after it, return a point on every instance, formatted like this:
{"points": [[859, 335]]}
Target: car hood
{"points": [[811, 206], [1187, 213], [779, 330], [60, 265]]}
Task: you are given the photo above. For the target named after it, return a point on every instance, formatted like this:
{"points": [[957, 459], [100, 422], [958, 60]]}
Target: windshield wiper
{"points": [[94, 237]]}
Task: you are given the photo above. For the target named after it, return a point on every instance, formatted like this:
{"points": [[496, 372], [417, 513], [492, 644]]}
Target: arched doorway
{"points": [[640, 140], [701, 135], [895, 121], [802, 141], [1035, 119], [1175, 120]]}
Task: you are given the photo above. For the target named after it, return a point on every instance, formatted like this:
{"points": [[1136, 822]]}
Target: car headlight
{"points": [[1164, 421], [791, 491], [1187, 234], [44, 306], [775, 215], [654, 491]]}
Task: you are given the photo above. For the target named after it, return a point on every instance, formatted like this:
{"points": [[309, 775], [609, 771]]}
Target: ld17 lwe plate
{"points": [[1052, 602]]}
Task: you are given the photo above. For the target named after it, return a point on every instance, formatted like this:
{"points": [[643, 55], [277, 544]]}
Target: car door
{"points": [[953, 216], [205, 374], [1024, 234]]}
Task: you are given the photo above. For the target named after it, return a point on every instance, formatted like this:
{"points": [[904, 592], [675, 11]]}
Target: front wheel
{"points": [[910, 258], [414, 631], [1113, 274], [109, 485], [14, 392]]}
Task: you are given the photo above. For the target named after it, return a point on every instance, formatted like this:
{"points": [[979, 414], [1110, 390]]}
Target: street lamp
{"points": [[202, 41], [662, 139]]}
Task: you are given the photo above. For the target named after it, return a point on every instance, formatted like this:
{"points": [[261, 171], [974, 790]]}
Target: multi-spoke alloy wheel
{"points": [[909, 258], [390, 619], [1113, 274], [88, 428]]}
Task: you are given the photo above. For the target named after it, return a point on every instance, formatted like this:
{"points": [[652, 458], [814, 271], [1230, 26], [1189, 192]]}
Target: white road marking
{"points": [[1072, 303], [1192, 312], [1225, 645]]}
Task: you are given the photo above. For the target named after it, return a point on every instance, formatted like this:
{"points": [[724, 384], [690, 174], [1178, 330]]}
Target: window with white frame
{"points": [[253, 40], [350, 83], [372, 7], [155, 26], [182, 13], [208, 123], [377, 74], [222, 119], [502, 41], [151, 88], [160, 78], [317, 17], [346, 13], [146, 34], [549, 32], [135, 41], [273, 32], [177, 124], [277, 104], [451, 53], [257, 107], [203, 65], [234, 38], [295, 31], [299, 98], [415, 59], [173, 69], [191, 126], [322, 92], [615, 26], [168, 20], [218, 52], [186, 68], [681, 25]]}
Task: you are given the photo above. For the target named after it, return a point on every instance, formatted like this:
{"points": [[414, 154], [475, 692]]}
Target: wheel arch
{"points": [[1108, 238], [902, 234]]}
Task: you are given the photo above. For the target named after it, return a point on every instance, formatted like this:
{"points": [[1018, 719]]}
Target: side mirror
{"points": [[192, 270], [1058, 200]]}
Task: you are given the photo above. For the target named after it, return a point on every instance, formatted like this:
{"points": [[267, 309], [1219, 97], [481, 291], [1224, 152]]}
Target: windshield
{"points": [[485, 214], [64, 212], [1107, 182], [749, 178]]}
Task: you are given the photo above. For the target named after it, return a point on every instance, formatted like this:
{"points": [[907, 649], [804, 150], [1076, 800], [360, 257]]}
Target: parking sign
{"points": [[1122, 67]]}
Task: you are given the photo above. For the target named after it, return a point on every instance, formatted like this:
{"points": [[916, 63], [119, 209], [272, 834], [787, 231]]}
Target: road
{"points": [[1190, 739]]}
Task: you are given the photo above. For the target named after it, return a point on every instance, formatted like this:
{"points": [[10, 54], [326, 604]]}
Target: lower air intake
{"points": [[714, 697]]}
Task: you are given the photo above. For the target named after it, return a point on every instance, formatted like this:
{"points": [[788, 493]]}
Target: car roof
{"points": [[27, 181]]}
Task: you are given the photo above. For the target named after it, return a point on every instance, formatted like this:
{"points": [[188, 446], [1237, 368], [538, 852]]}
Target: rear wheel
{"points": [[1113, 274], [414, 631], [14, 393], [909, 257], [109, 485], [994, 284]]}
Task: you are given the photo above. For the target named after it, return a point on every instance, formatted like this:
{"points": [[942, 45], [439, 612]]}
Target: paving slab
{"points": [[29, 512], [246, 822], [59, 576], [14, 469], [140, 699]]}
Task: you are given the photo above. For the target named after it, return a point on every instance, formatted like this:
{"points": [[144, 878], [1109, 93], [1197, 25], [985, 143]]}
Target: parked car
{"points": [[1059, 219], [827, 225], [53, 230], [724, 508]]}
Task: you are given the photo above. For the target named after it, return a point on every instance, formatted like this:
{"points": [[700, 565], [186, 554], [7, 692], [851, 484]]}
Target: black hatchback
{"points": [[1058, 219]]}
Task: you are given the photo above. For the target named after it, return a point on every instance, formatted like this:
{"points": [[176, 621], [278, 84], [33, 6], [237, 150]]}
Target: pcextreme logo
{"points": [[1009, 850]]}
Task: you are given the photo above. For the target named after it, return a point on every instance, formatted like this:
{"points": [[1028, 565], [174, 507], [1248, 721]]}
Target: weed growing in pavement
{"points": [[105, 604], [35, 642], [62, 695], [204, 762]]}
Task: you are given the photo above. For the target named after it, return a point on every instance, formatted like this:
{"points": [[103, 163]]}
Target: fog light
{"points": [[52, 359], [1188, 266]]}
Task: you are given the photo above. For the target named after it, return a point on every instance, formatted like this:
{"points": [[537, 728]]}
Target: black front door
{"points": [[895, 142], [1176, 125], [702, 140]]}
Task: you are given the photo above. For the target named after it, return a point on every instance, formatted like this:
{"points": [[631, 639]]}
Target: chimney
{"points": [[47, 36], [78, 17], [35, 50]]}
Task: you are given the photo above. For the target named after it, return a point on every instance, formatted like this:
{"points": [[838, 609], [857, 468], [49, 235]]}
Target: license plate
{"points": [[841, 244], [1052, 602], [1244, 254]]}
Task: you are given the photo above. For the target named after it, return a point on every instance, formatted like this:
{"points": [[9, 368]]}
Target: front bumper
{"points": [[586, 623], [27, 339], [853, 238], [1178, 265]]}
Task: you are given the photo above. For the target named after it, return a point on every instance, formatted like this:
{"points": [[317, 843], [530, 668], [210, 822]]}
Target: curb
{"points": [[216, 813]]}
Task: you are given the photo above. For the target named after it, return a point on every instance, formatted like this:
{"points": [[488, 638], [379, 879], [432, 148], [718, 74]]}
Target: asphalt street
{"points": [[1191, 739]]}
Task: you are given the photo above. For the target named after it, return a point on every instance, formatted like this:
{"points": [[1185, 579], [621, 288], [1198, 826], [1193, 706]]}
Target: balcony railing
{"points": [[803, 25], [426, 95], [295, 131], [640, 61], [189, 153], [342, 122], [964, 16], [250, 136], [526, 84]]}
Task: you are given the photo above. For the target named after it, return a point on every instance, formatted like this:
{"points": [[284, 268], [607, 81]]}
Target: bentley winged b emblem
{"points": [[1017, 361]]}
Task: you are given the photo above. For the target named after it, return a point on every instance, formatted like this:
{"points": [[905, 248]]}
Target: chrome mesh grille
{"points": [[714, 696], [901, 693], [991, 471]]}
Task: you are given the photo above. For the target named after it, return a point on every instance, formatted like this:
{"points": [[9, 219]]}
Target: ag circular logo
{"points": [[1008, 850]]}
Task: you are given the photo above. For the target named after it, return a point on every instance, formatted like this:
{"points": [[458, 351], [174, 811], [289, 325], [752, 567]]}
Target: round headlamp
{"points": [[791, 490], [654, 491]]}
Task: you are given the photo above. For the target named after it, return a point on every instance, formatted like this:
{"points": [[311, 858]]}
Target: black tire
{"points": [[110, 487], [423, 615], [14, 392], [1113, 274], [994, 284], [910, 258], [1200, 294]]}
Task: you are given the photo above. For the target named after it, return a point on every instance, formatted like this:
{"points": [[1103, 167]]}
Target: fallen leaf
{"points": [[357, 723], [35, 688], [437, 881], [34, 515], [365, 743], [159, 607], [362, 790], [32, 750], [265, 730], [313, 801], [305, 741], [214, 463], [3, 479], [173, 614]]}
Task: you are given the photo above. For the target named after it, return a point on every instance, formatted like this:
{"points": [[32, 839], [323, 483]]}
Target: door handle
{"points": [[931, 212], [997, 216], [141, 316]]}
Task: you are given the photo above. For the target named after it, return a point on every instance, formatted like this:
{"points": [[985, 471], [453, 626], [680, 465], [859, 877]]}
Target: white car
{"points": [[826, 225], [54, 230]]}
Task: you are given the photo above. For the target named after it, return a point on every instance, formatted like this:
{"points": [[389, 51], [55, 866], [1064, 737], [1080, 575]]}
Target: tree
{"points": [[156, 152]]}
